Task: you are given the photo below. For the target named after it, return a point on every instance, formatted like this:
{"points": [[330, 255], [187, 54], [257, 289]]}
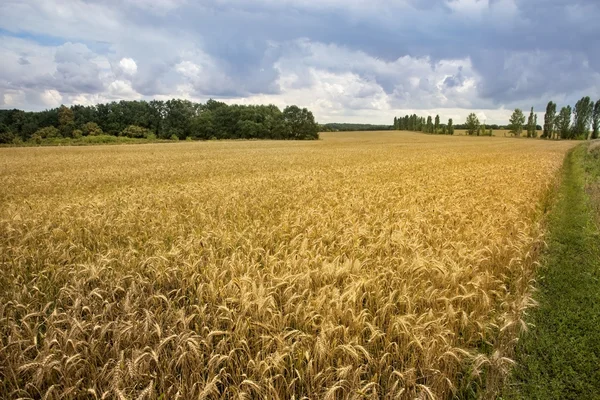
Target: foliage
{"points": [[300, 123], [48, 132], [345, 127], [134, 131], [164, 119], [6, 135], [472, 124], [517, 119], [563, 123], [596, 120], [582, 116], [66, 121], [91, 129], [429, 126], [531, 125], [549, 120], [450, 129], [255, 270]]}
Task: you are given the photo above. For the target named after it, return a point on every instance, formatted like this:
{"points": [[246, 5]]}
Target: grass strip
{"points": [[559, 358]]}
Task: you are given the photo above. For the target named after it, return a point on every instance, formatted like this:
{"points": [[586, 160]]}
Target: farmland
{"points": [[380, 264]]}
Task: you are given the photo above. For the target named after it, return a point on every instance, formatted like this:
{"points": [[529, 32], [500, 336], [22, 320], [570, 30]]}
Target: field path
{"points": [[560, 357]]}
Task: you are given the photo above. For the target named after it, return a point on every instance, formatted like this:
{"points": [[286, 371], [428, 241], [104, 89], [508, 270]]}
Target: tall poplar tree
{"points": [[549, 118]]}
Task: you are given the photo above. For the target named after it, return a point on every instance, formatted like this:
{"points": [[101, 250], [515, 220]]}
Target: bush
{"points": [[77, 134], [48, 132], [36, 138], [91, 129], [134, 131], [100, 139], [7, 137], [174, 137]]}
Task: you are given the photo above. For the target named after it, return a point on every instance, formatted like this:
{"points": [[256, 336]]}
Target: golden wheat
{"points": [[364, 265]]}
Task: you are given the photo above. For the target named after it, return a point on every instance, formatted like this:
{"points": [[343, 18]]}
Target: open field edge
{"points": [[560, 355]]}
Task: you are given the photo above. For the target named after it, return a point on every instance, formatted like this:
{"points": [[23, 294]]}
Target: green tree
{"points": [[429, 126], [91, 129], [6, 135], [273, 122], [66, 121], [530, 124], [596, 120], [300, 123], [202, 126], [48, 132], [437, 124], [472, 124], [517, 119], [582, 116], [563, 122], [482, 131], [549, 118], [450, 129]]}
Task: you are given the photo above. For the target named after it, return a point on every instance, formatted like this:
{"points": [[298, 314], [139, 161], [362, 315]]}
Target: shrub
{"points": [[77, 134], [174, 137], [100, 139], [134, 131], [91, 129], [36, 138], [7, 137], [48, 132]]}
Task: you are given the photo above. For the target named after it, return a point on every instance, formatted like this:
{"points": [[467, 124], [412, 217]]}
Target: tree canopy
{"points": [[172, 119], [472, 124]]}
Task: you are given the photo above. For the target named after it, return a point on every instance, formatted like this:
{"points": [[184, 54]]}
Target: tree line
{"points": [[172, 119], [423, 124], [572, 123], [568, 123], [349, 127]]}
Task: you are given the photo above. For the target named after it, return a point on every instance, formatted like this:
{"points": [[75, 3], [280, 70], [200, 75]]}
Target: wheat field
{"points": [[363, 265]]}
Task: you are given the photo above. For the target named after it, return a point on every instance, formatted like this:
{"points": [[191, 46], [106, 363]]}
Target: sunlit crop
{"points": [[366, 265]]}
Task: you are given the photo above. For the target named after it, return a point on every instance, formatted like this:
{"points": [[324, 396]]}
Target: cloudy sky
{"points": [[346, 60]]}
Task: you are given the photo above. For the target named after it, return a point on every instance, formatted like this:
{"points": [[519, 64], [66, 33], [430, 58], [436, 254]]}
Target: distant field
{"points": [[362, 265]]}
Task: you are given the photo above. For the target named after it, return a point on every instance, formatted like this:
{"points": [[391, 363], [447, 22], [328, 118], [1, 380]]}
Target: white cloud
{"points": [[51, 98], [128, 66], [121, 89], [188, 69]]}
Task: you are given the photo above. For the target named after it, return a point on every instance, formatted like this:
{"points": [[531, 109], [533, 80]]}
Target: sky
{"points": [[345, 60]]}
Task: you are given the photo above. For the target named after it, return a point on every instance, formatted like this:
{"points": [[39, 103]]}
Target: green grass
{"points": [[559, 358]]}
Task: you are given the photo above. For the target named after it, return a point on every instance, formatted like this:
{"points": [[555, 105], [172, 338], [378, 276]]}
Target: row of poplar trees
{"points": [[421, 124], [568, 123]]}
